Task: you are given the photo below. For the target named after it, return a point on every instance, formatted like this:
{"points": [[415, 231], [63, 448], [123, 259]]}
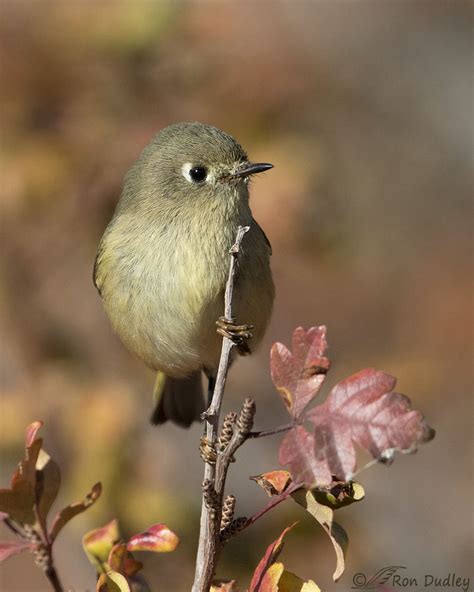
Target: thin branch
{"points": [[212, 414], [209, 537], [52, 575], [277, 499], [280, 429], [239, 436], [15, 527]]}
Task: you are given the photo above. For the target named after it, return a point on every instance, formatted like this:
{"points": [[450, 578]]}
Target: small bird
{"points": [[163, 261]]}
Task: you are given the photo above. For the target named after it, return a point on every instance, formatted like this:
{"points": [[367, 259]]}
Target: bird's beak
{"points": [[251, 168]]}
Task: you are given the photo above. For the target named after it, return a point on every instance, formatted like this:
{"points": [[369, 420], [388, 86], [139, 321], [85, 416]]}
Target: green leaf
{"points": [[99, 542]]}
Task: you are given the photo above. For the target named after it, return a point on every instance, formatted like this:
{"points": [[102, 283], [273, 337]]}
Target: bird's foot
{"points": [[207, 451], [238, 334]]}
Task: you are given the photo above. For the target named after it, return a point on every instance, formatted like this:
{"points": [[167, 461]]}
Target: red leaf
{"points": [[298, 375], [297, 452], [31, 432], [34, 484], [68, 513], [271, 555], [271, 578], [18, 501], [10, 548], [158, 538], [48, 481], [363, 410]]}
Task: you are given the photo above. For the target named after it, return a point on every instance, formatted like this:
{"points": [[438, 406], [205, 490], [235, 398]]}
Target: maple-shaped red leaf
{"points": [[299, 374], [158, 538], [297, 453], [362, 410]]}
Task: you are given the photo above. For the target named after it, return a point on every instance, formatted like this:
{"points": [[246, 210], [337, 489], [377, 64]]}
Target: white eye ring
{"points": [[195, 174]]}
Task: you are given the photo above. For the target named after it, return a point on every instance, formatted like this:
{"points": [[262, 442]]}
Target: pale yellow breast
{"points": [[162, 287]]}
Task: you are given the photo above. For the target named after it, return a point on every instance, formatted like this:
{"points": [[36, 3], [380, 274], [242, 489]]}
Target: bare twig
{"points": [[44, 553], [15, 528], [209, 533], [52, 575], [277, 499], [280, 429], [243, 427], [212, 414], [41, 548]]}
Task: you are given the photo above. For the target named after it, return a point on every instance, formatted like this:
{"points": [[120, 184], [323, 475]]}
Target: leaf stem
{"points": [[277, 499], [280, 429]]}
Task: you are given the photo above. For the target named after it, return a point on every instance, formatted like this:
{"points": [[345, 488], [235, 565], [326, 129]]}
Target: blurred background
{"points": [[365, 108]]}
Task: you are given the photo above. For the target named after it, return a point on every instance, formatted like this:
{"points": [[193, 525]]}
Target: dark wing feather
{"points": [[264, 236], [95, 272]]}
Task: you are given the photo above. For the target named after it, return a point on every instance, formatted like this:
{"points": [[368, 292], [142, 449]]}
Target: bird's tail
{"points": [[178, 399]]}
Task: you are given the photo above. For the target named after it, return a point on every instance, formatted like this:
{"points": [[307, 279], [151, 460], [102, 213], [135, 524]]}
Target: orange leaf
{"points": [[273, 482]]}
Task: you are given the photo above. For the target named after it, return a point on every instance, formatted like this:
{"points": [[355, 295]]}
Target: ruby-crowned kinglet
{"points": [[163, 261]]}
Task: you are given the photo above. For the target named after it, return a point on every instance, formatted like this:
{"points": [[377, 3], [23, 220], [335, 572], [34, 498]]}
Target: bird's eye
{"points": [[198, 174]]}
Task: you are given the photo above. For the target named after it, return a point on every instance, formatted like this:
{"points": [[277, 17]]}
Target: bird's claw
{"points": [[207, 451], [238, 334]]}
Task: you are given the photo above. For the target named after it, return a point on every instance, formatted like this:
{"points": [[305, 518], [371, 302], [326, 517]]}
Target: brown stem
{"points": [[209, 541], [52, 575], [239, 436], [14, 527]]}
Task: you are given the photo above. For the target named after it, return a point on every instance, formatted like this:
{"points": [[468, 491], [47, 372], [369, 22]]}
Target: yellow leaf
{"points": [[291, 583], [112, 581]]}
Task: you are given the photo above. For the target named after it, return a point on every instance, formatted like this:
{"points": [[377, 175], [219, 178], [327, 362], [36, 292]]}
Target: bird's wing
{"points": [[95, 273], [260, 229]]}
